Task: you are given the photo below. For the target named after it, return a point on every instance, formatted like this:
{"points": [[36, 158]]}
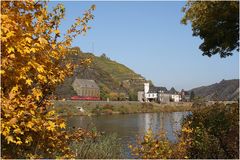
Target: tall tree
{"points": [[216, 23], [33, 64]]}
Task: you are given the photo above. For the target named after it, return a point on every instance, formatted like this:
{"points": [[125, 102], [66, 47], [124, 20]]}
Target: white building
{"points": [[160, 94], [176, 97], [148, 94]]}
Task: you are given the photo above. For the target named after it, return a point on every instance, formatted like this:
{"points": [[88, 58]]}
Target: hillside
{"points": [[113, 78], [117, 81], [224, 90]]}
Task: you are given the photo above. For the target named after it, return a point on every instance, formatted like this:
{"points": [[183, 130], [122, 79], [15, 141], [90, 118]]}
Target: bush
{"points": [[208, 133], [215, 132], [151, 146]]}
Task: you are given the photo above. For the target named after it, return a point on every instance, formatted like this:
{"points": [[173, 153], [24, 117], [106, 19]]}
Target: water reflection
{"points": [[128, 126]]}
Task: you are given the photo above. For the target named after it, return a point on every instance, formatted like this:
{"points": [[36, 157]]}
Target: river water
{"points": [[129, 126]]}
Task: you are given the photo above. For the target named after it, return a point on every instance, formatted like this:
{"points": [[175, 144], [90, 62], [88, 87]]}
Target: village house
{"points": [[159, 94], [86, 88], [174, 95], [185, 96]]}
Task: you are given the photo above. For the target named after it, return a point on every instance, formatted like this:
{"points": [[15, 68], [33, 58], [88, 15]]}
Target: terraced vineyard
{"points": [[111, 76]]}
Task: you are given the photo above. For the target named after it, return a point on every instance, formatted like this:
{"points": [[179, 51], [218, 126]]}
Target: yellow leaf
{"points": [[68, 66], [62, 125], [57, 32], [22, 77], [17, 131], [33, 50], [12, 56], [15, 89], [42, 78], [29, 82], [10, 49], [51, 126], [37, 93], [37, 44], [10, 34], [19, 142], [2, 71], [50, 113], [30, 124], [4, 16], [5, 132], [53, 46], [40, 69], [9, 139], [28, 139], [32, 112], [4, 39], [42, 40], [29, 40], [93, 7]]}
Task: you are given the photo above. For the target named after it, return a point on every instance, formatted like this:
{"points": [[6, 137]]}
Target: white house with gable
{"points": [[160, 94]]}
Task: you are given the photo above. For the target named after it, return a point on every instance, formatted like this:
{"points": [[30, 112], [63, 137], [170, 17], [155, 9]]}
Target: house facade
{"points": [[164, 97], [86, 88], [185, 96], [159, 94]]}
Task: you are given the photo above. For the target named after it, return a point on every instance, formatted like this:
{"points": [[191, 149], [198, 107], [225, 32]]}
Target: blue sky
{"points": [[149, 38]]}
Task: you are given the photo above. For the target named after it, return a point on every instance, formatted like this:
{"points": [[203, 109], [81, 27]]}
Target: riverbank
{"points": [[69, 108]]}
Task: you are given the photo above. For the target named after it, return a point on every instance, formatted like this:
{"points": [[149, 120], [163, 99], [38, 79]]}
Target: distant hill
{"points": [[115, 79], [111, 76], [225, 90]]}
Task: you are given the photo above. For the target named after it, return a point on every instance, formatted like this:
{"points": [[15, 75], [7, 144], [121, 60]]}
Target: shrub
{"points": [[151, 146], [216, 132], [210, 132]]}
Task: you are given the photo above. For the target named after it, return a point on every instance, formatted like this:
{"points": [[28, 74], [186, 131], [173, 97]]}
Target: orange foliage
{"points": [[33, 64], [159, 147]]}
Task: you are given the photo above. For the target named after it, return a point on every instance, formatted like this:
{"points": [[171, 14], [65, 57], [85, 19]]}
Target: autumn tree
{"points": [[216, 23], [33, 63]]}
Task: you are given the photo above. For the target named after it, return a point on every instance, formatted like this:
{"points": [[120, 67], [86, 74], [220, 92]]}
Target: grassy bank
{"points": [[116, 107], [102, 147]]}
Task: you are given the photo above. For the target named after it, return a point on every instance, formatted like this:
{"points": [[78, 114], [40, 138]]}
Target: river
{"points": [[129, 126]]}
